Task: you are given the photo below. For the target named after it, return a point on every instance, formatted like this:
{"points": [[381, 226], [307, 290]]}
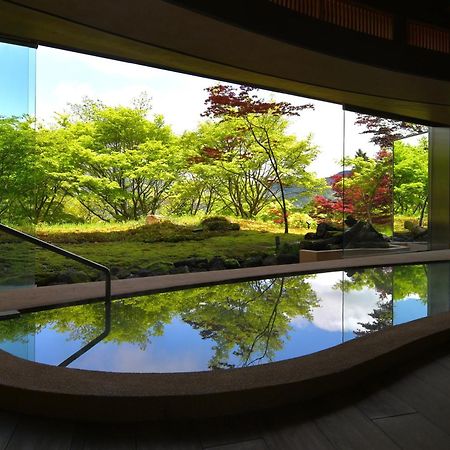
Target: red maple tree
{"points": [[226, 102]]}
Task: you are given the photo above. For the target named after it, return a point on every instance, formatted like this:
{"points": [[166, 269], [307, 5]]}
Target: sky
{"points": [[65, 77], [16, 79]]}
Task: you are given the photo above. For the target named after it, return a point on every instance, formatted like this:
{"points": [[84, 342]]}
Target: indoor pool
{"points": [[229, 325]]}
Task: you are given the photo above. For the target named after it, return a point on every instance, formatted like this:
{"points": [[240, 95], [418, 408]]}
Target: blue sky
{"points": [[16, 81]]}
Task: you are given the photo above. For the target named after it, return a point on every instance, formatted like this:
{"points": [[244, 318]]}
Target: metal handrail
{"points": [[94, 341], [86, 262], [61, 251]]}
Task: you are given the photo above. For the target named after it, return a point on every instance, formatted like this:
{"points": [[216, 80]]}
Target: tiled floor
{"points": [[409, 410]]}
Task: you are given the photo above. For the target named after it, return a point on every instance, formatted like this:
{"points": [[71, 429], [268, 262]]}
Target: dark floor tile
{"points": [[414, 432], [436, 375], [228, 430], [167, 436], [304, 435], [383, 403], [425, 399], [108, 437], [34, 433], [8, 422], [349, 429]]}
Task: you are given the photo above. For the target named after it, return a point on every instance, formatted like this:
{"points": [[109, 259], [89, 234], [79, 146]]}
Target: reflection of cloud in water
{"points": [[129, 358], [328, 316]]}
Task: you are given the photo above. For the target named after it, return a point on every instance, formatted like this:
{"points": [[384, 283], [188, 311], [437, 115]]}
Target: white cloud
{"points": [[328, 315]]}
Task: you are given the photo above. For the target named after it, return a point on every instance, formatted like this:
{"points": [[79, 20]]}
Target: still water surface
{"points": [[223, 326]]}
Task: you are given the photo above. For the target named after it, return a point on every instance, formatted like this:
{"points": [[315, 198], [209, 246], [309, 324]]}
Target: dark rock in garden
{"points": [[71, 276], [253, 261], [310, 236], [231, 263], [143, 273], [350, 221], [364, 235], [288, 253], [217, 263], [123, 273], [270, 260], [318, 244], [160, 268], [286, 258], [179, 269], [45, 279], [115, 270], [218, 223], [416, 231], [192, 262], [323, 228]]}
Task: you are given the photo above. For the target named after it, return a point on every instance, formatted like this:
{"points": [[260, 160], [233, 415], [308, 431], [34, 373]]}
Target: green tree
{"points": [[126, 163], [239, 174], [264, 122], [411, 178], [17, 145]]}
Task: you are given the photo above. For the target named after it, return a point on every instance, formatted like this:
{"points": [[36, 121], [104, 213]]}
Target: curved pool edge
{"points": [[42, 390]]}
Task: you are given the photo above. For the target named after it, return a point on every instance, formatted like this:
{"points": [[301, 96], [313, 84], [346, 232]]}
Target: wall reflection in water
{"points": [[234, 325]]}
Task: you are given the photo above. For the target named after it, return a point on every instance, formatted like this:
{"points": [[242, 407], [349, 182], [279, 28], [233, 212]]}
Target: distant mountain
{"points": [[344, 173]]}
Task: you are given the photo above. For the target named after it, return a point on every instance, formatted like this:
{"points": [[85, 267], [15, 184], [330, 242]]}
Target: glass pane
{"points": [[17, 107], [411, 191]]}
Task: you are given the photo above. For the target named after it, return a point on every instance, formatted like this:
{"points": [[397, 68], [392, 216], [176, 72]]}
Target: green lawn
{"points": [[134, 246]]}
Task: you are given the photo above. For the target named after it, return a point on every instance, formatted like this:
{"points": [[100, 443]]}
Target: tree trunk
{"points": [[422, 212]]}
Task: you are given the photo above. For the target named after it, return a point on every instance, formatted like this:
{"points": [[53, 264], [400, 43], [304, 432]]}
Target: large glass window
{"points": [[17, 107]]}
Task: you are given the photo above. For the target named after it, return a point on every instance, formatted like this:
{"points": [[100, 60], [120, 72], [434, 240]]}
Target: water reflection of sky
{"points": [[181, 348]]}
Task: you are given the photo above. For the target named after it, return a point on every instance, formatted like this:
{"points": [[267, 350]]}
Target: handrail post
{"points": [[87, 262]]}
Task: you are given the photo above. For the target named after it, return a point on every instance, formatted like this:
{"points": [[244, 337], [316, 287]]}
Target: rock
{"points": [[192, 262], [363, 235], [416, 230], [310, 236], [143, 273], [318, 244], [179, 269], [286, 258], [270, 260], [323, 228], [115, 270], [122, 274], [350, 221], [288, 253], [45, 278], [217, 223], [153, 218], [231, 263], [217, 263], [161, 268], [71, 276], [253, 261]]}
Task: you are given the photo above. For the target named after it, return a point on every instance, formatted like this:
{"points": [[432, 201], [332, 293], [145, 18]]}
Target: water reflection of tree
{"points": [[246, 321], [391, 284], [134, 320]]}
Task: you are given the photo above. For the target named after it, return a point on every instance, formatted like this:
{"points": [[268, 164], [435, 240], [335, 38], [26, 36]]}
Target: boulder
{"points": [[231, 263], [153, 218]]}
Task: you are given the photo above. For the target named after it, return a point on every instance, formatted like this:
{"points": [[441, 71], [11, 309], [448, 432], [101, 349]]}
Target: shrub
{"points": [[219, 223]]}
